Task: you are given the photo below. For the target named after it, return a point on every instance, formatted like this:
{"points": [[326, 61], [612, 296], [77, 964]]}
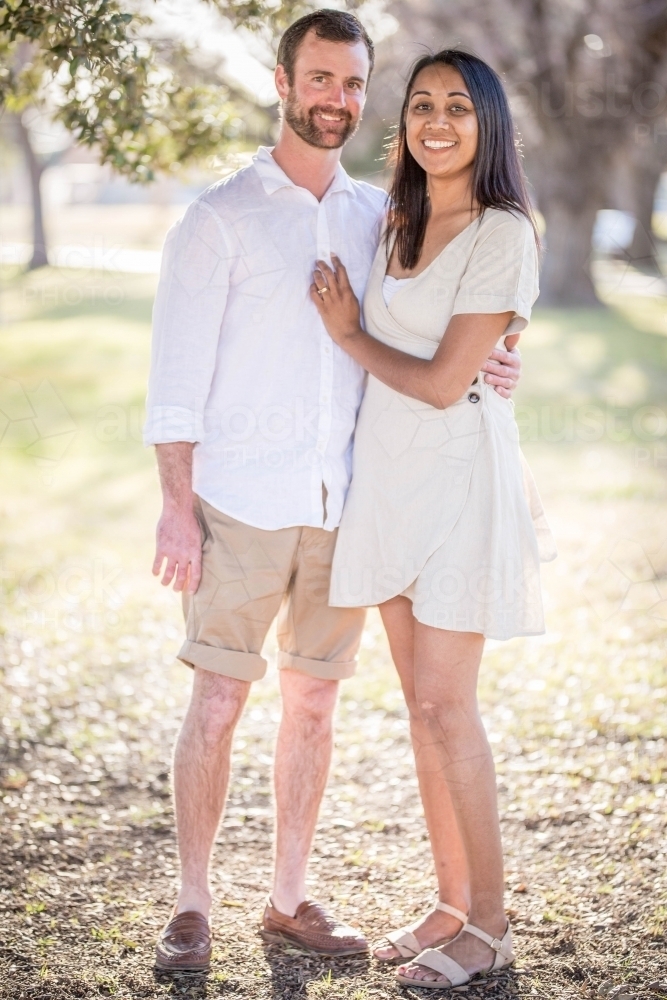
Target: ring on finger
{"points": [[321, 291]]}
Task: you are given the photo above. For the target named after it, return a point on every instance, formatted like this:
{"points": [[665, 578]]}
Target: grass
{"points": [[92, 698]]}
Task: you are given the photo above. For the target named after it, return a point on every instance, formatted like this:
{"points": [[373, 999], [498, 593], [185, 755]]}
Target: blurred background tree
{"points": [[102, 69], [588, 80]]}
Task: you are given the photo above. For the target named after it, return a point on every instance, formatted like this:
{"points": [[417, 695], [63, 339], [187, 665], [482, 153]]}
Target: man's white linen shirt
{"points": [[241, 362]]}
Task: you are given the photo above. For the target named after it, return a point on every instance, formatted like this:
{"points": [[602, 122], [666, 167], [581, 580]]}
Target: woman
{"points": [[443, 527]]}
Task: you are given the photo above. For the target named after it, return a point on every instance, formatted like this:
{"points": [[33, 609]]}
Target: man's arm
{"points": [[178, 536], [189, 308]]}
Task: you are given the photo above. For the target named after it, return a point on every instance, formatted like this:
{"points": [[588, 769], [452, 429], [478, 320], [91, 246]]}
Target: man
{"points": [[252, 408]]}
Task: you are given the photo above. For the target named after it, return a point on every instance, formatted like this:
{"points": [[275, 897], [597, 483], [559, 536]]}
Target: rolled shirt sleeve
{"points": [[187, 317], [502, 273]]}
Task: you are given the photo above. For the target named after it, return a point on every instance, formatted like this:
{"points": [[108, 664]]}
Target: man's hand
{"points": [[178, 540], [178, 536], [504, 368]]}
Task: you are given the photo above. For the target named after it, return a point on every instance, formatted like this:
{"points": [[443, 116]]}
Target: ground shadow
{"points": [[187, 983], [293, 969]]}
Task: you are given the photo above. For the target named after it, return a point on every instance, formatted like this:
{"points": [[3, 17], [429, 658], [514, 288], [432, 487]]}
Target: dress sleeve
{"points": [[502, 273], [187, 317]]}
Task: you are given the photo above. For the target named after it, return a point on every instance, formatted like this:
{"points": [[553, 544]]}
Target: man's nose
{"points": [[337, 95]]}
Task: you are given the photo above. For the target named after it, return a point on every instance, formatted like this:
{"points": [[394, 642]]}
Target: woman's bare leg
{"points": [[446, 666], [446, 844]]}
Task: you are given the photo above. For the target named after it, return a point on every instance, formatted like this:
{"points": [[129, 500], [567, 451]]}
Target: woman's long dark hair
{"points": [[497, 180]]}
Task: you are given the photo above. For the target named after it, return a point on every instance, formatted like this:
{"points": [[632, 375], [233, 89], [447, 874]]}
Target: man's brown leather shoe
{"points": [[184, 943], [313, 929]]}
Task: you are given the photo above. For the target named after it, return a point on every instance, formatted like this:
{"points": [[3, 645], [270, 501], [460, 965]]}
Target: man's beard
{"points": [[307, 128]]}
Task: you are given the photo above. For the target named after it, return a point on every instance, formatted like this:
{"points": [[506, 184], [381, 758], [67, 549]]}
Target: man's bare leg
{"points": [[201, 778], [302, 761]]}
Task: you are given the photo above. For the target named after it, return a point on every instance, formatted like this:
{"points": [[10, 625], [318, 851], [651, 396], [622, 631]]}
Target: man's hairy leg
{"points": [[303, 758], [201, 779]]}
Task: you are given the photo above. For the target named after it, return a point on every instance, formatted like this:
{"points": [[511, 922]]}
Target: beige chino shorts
{"points": [[250, 576]]}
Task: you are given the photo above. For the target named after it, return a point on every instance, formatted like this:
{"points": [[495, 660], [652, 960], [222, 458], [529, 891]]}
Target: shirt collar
{"points": [[273, 178]]}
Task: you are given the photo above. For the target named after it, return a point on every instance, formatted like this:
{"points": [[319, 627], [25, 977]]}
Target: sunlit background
{"points": [[92, 697]]}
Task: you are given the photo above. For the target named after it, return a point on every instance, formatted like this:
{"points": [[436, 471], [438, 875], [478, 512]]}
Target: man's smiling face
{"points": [[324, 101]]}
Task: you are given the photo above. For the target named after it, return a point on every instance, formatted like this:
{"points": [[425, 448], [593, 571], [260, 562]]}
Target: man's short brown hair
{"points": [[333, 26]]}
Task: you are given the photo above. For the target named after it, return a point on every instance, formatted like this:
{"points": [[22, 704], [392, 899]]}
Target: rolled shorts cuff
{"points": [[229, 662], [326, 670]]}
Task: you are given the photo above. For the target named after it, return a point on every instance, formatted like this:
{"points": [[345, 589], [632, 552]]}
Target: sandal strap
{"points": [[446, 908], [446, 966], [404, 941], [503, 948]]}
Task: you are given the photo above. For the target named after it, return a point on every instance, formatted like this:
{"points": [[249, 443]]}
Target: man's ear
{"points": [[282, 83]]}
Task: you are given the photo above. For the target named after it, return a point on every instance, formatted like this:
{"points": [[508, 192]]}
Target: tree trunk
{"points": [[39, 256], [567, 168], [566, 272], [642, 250]]}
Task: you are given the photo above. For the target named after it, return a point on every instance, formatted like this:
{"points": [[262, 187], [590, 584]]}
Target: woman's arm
{"points": [[466, 345]]}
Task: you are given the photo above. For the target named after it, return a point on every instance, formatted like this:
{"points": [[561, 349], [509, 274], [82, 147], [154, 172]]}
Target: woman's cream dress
{"points": [[442, 507]]}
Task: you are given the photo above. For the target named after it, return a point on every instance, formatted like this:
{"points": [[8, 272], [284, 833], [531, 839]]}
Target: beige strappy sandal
{"points": [[407, 944], [457, 975]]}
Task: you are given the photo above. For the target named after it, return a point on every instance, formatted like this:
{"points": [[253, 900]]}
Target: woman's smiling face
{"points": [[441, 123]]}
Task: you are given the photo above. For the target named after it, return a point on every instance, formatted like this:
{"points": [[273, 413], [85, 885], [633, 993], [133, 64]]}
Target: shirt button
{"points": [[473, 397]]}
